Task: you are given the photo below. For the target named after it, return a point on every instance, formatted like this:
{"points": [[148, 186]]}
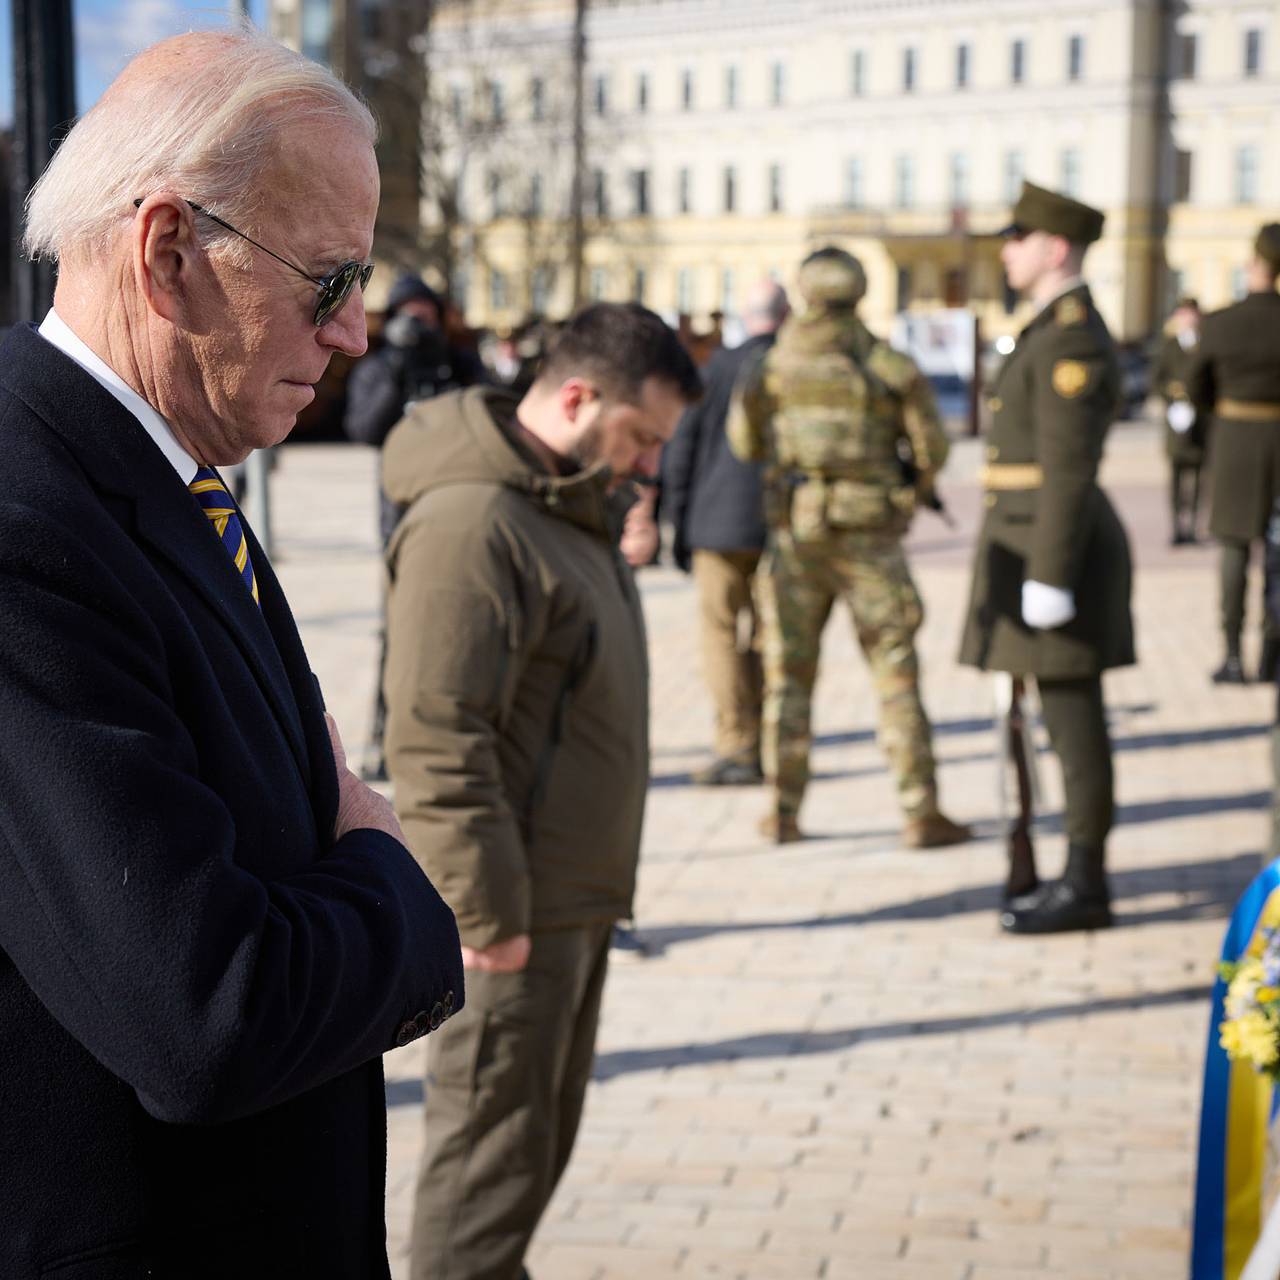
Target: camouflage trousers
{"points": [[797, 584]]}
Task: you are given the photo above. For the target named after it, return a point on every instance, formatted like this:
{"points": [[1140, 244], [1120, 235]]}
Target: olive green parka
{"points": [[516, 678]]}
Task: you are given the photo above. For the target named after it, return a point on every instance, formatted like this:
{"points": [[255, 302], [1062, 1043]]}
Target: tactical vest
{"points": [[836, 427]]}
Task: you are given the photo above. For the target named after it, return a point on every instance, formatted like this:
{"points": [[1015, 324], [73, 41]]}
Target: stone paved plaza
{"points": [[834, 1065]]}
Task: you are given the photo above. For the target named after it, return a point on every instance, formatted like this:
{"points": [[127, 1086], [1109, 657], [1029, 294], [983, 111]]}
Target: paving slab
{"points": [[833, 1064]]}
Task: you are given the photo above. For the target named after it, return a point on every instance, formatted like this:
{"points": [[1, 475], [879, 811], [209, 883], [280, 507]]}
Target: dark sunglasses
{"points": [[335, 288]]}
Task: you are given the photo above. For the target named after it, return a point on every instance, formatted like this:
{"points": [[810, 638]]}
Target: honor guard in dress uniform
{"points": [[1236, 378], [1184, 435], [850, 437], [1051, 580]]}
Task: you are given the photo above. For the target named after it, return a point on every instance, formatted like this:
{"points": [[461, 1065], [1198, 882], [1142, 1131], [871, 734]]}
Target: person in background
{"points": [[716, 506], [415, 362], [1184, 428], [1235, 380], [1052, 572], [831, 410]]}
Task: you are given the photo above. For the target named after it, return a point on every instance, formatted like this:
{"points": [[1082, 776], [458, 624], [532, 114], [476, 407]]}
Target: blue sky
{"points": [[108, 32]]}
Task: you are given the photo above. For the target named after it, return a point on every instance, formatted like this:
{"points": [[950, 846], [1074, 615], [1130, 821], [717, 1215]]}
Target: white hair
{"points": [[207, 129], [766, 307]]}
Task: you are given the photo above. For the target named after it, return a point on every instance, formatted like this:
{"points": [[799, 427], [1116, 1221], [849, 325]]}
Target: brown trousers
{"points": [[730, 660], [506, 1080]]}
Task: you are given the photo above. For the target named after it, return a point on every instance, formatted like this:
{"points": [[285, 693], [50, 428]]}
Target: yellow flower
{"points": [[1251, 1036]]}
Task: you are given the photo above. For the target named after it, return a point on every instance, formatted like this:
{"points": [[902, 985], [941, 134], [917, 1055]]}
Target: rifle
{"points": [[1014, 746], [909, 469]]}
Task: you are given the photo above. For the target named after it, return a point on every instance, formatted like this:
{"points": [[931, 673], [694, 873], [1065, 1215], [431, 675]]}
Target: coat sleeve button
{"points": [[407, 1032], [448, 1004], [437, 1015]]}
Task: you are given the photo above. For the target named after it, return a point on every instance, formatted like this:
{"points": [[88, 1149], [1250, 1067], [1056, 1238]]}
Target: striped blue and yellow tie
{"points": [[212, 495]]}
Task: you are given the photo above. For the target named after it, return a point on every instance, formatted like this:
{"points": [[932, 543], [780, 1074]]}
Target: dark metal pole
{"points": [[44, 105], [975, 379], [577, 195]]}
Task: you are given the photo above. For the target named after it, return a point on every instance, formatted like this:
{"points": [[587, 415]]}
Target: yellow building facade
{"points": [[727, 138]]}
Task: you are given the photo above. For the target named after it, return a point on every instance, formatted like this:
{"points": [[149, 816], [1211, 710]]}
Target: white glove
{"points": [[1181, 416], [1044, 606]]}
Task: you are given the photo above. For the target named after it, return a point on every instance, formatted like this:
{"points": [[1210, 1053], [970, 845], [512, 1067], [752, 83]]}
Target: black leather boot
{"points": [[1231, 671], [1080, 900], [1267, 662]]}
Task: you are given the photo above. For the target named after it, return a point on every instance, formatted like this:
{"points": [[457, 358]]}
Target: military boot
{"points": [[780, 828], [722, 772], [1060, 907], [1081, 900], [1232, 669], [1268, 661], [933, 831]]}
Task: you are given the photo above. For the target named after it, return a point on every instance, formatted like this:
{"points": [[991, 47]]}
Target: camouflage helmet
{"points": [[832, 277]]}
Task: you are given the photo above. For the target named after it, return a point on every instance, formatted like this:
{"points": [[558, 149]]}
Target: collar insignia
{"points": [[1070, 310]]}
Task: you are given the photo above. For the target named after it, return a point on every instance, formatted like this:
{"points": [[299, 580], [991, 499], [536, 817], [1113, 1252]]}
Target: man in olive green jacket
{"points": [[1052, 570], [517, 735]]}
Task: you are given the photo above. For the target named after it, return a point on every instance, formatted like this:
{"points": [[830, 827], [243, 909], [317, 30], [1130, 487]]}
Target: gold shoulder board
{"points": [[1069, 311]]}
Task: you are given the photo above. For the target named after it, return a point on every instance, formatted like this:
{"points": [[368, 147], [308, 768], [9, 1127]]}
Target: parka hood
{"points": [[458, 439]]}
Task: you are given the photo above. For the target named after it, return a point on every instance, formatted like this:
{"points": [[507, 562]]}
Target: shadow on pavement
{"points": [[1160, 741], [405, 1093], [1209, 888], [1191, 737], [789, 1044], [889, 839], [786, 1044]]}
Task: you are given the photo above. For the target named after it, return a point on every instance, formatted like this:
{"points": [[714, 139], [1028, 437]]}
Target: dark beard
{"points": [[587, 452]]}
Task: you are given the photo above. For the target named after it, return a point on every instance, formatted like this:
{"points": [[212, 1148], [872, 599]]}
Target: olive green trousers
{"points": [[506, 1080], [1076, 720]]}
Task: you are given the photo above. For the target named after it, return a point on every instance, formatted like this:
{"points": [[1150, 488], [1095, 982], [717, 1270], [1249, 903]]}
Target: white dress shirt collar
{"points": [[54, 329]]}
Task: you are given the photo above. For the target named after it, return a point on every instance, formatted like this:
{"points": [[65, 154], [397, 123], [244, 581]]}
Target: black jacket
{"points": [[196, 980], [385, 382], [713, 500]]}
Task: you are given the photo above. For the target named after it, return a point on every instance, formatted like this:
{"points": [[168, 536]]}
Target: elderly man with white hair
{"points": [[210, 929]]}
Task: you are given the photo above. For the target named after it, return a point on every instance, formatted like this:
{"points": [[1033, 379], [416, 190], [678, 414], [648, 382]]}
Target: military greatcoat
{"points": [[1046, 518], [1236, 377]]}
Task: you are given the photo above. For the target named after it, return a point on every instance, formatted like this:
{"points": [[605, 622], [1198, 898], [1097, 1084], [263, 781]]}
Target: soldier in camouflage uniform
{"points": [[850, 437]]}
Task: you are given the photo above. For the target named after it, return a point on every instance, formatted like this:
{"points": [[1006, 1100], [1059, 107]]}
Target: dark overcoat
{"points": [[196, 980], [715, 501], [1236, 377], [1046, 518]]}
